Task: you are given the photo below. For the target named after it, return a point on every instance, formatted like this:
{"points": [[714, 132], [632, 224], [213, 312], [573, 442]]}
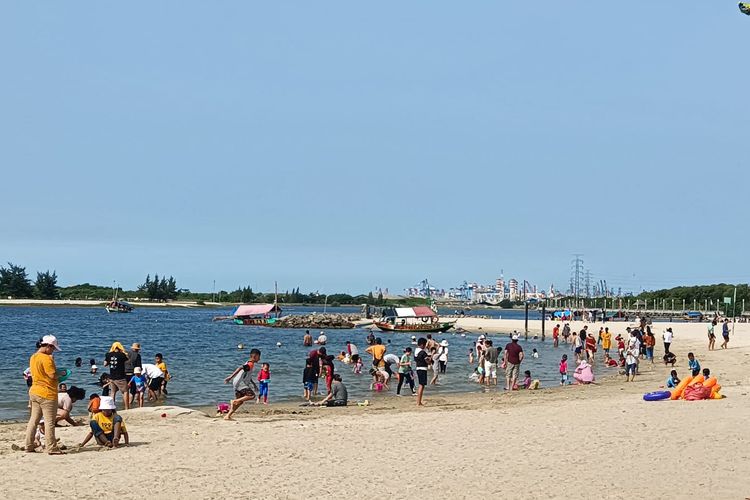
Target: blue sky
{"points": [[335, 146]]}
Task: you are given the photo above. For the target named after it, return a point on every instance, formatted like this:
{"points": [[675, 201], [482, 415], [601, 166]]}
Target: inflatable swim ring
{"points": [[657, 395], [64, 377], [677, 391]]}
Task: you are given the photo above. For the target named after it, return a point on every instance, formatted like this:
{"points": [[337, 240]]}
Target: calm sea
{"points": [[200, 353]]}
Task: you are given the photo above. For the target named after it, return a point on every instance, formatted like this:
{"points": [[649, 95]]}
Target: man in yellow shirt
{"points": [[378, 353], [43, 394], [606, 340]]}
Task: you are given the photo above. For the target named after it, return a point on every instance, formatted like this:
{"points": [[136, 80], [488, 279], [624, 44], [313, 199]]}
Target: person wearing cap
{"points": [[137, 385], [65, 402], [443, 358], [115, 359], [43, 394], [322, 339], [107, 427], [512, 358], [134, 360]]}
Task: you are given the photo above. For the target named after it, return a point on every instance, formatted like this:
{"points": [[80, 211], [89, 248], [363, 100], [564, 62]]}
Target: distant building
{"points": [[513, 289]]}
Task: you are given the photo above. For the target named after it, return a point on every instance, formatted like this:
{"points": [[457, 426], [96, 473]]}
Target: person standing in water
{"points": [[422, 360], [512, 359]]}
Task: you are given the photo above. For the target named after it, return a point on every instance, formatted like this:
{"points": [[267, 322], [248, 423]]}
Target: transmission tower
{"points": [[588, 283], [576, 274]]}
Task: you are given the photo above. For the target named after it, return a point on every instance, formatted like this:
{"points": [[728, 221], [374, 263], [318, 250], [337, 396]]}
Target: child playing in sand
{"points": [[139, 383], [107, 427], [526, 379], [264, 376], [242, 382], [94, 402], [673, 380], [695, 367], [669, 358], [564, 370], [608, 361]]}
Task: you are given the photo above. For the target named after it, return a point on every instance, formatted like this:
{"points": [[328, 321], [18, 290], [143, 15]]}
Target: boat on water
{"points": [[118, 306], [256, 314], [421, 319]]}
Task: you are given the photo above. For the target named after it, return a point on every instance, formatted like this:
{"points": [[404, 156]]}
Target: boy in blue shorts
{"points": [[309, 377]]}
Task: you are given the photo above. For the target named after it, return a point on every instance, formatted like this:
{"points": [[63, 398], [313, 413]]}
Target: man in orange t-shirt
{"points": [[43, 394]]}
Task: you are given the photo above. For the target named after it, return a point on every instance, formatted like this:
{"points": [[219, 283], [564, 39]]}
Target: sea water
{"points": [[200, 353]]}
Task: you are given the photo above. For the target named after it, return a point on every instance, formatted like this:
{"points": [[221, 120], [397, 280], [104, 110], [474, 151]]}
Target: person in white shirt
{"points": [[155, 378], [322, 339], [667, 336], [65, 401]]}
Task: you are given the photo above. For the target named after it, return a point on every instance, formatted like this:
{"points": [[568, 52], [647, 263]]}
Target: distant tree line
{"points": [[15, 283]]}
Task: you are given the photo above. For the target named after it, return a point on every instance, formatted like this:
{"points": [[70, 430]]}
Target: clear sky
{"points": [[339, 146]]}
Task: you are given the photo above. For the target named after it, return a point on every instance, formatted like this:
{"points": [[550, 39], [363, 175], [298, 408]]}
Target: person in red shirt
{"points": [[512, 358], [590, 347], [264, 376], [556, 336], [620, 345]]}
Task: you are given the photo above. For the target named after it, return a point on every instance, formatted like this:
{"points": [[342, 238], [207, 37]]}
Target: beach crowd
{"points": [[416, 367]]}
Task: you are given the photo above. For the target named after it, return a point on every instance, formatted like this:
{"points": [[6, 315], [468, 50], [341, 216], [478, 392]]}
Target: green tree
{"points": [[46, 285], [14, 282]]}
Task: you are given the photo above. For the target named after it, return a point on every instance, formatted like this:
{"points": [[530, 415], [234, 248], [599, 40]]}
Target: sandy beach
{"points": [[599, 441]]}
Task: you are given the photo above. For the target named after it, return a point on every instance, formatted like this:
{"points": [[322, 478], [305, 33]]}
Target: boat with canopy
{"points": [[412, 319]]}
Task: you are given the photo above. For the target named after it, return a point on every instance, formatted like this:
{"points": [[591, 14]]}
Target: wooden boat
{"points": [[118, 306], [420, 319], [256, 314]]}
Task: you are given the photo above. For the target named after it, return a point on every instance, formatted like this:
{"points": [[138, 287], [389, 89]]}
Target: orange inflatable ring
{"points": [[710, 382], [677, 391]]}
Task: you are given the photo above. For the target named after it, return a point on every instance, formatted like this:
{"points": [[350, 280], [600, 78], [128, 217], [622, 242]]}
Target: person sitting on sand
{"points": [[526, 379], [242, 381], [673, 380], [338, 396], [107, 427], [608, 361], [583, 374]]}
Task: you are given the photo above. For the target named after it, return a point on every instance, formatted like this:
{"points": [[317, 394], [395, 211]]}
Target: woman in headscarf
{"points": [[116, 359]]}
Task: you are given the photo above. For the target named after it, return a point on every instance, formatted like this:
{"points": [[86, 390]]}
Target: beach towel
{"points": [[696, 392]]}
